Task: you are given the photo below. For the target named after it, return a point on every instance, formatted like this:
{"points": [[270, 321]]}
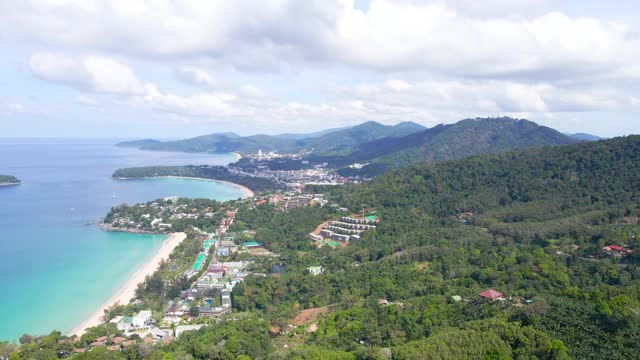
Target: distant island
{"points": [[8, 180]]}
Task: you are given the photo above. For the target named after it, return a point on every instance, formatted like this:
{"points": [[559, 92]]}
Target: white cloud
{"points": [[196, 77], [422, 60], [463, 37], [94, 73], [15, 107]]}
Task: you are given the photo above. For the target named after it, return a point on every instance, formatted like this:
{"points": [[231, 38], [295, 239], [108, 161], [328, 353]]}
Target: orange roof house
{"points": [[491, 294]]}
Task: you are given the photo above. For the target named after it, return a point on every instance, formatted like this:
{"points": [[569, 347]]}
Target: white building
{"points": [[315, 270], [142, 319]]}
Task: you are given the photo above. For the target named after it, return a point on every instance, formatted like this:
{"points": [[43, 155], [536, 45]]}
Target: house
{"points": [[315, 270], [155, 221], [617, 251], [128, 343], [223, 251], [491, 294], [158, 333], [124, 323], [97, 343], [251, 244], [118, 339], [142, 319]]}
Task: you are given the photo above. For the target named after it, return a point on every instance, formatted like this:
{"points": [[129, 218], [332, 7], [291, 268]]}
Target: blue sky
{"points": [[168, 69]]}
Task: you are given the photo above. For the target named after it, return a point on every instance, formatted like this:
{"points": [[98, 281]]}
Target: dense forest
{"points": [[8, 179], [446, 142], [196, 171], [533, 225], [540, 220], [465, 138]]}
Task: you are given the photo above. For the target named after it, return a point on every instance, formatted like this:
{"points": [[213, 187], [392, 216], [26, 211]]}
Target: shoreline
{"points": [[246, 192], [126, 292], [11, 184]]}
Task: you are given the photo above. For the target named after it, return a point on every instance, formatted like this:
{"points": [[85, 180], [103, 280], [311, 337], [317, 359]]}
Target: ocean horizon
{"points": [[57, 266]]}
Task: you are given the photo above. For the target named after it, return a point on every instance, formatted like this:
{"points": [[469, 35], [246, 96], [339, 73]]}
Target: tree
{"points": [[25, 339]]}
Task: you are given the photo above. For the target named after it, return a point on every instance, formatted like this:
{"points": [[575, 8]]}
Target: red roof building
{"points": [[615, 247], [491, 294]]}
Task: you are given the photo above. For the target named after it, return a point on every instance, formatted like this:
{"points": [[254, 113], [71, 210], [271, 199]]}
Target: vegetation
{"points": [[442, 142], [8, 179], [202, 171], [445, 142], [320, 142], [531, 224]]}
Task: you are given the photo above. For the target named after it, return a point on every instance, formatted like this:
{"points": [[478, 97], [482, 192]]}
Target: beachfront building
{"points": [[142, 319]]}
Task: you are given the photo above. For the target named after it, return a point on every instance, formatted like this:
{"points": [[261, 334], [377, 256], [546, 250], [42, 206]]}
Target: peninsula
{"points": [[202, 172], [8, 180]]}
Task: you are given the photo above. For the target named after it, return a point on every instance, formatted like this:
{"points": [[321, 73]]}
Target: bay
{"points": [[56, 265]]}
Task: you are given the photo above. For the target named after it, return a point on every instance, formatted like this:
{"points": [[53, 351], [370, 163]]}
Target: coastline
{"points": [[246, 192], [127, 291], [10, 184]]}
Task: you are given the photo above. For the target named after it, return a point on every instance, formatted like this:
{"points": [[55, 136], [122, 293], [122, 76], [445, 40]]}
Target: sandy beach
{"points": [[246, 192], [127, 291]]}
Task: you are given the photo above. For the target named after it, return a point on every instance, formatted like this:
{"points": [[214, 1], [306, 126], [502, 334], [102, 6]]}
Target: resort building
{"points": [[142, 319]]}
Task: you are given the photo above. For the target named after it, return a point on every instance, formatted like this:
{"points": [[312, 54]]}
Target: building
{"points": [[491, 294], [225, 298], [125, 323], [208, 282], [315, 270], [142, 319]]}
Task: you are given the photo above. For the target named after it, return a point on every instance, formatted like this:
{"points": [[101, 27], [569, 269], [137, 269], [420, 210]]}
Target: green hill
{"points": [[530, 224], [9, 180], [444, 142], [333, 141]]}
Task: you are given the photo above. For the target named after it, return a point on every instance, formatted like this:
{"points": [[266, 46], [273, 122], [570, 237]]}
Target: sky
{"points": [[176, 69]]}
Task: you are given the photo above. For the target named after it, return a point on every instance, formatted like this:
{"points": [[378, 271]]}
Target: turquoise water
{"points": [[56, 266]]}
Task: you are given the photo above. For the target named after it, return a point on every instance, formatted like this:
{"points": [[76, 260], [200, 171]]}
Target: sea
{"points": [[56, 265]]}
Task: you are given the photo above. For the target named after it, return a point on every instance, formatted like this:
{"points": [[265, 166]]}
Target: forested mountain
{"points": [[8, 179], [444, 142], [585, 137], [333, 141]]}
